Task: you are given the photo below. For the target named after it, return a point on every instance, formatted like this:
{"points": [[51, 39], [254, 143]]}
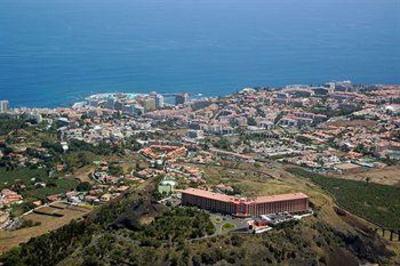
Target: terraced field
{"points": [[48, 222], [377, 203]]}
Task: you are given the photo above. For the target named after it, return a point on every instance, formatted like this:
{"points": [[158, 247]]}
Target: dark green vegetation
{"points": [[41, 153], [26, 181], [115, 233], [176, 225], [101, 148], [295, 245], [223, 144], [50, 248], [138, 231], [21, 176], [55, 186], [8, 124], [377, 203], [84, 186], [292, 245], [79, 153]]}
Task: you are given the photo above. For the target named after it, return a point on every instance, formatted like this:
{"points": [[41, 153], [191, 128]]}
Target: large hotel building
{"points": [[242, 207]]}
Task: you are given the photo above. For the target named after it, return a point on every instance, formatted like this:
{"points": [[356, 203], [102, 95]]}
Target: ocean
{"points": [[55, 52]]}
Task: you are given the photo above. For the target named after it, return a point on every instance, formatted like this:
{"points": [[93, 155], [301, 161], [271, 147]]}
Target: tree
{"points": [[84, 186], [223, 143], [83, 158], [115, 170], [52, 147], [361, 149], [251, 121]]}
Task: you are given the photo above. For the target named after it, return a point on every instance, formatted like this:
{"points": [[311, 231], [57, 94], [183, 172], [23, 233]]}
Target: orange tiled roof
{"points": [[227, 198]]}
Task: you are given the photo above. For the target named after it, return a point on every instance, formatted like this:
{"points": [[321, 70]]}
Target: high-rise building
{"points": [[110, 103], [182, 98], [159, 101], [149, 104], [118, 105], [4, 106]]}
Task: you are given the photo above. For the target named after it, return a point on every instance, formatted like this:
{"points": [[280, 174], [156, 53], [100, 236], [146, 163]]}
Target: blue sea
{"points": [[55, 52]]}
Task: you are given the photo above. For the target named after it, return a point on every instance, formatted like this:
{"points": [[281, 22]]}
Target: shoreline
{"points": [[70, 101]]}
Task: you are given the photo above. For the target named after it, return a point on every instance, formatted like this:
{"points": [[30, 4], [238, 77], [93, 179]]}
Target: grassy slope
{"points": [[24, 175]]}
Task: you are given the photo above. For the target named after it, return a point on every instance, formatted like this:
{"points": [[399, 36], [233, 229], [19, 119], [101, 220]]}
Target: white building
{"points": [[159, 101], [4, 106]]}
